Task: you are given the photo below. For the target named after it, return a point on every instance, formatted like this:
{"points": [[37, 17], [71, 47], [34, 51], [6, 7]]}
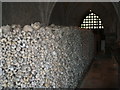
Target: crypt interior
{"points": [[60, 45]]}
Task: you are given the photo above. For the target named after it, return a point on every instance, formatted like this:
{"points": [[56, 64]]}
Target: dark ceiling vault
{"points": [[61, 13], [73, 13]]}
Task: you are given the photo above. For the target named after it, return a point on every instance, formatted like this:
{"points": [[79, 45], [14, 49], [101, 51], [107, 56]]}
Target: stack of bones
{"points": [[37, 56]]}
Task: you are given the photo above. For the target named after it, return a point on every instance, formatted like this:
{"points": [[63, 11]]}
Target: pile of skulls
{"points": [[37, 56]]}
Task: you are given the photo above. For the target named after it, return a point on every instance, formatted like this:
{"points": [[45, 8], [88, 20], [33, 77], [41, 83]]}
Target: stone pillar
{"points": [[117, 23]]}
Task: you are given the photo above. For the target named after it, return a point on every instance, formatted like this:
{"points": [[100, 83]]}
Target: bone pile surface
{"points": [[37, 56]]}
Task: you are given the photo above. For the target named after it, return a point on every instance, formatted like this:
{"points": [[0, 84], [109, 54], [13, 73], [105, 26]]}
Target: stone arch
{"points": [[72, 14], [67, 13]]}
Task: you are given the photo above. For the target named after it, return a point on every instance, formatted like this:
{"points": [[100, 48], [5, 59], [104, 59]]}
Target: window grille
{"points": [[92, 21]]}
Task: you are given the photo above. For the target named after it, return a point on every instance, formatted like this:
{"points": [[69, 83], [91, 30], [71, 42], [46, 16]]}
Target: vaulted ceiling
{"points": [[61, 13], [74, 13]]}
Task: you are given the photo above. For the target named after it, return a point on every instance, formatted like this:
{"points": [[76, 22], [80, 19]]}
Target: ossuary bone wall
{"points": [[44, 57]]}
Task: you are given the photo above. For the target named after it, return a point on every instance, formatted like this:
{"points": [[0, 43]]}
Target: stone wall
{"points": [[44, 56]]}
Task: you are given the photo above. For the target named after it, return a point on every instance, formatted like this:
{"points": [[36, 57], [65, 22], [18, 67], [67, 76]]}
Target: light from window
{"points": [[92, 21]]}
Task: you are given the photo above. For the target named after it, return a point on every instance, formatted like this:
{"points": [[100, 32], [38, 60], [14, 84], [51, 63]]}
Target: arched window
{"points": [[92, 21]]}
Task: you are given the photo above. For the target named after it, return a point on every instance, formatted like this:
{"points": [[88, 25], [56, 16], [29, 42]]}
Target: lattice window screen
{"points": [[92, 21]]}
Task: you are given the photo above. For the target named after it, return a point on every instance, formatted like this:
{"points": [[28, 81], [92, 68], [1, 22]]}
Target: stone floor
{"points": [[103, 73]]}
